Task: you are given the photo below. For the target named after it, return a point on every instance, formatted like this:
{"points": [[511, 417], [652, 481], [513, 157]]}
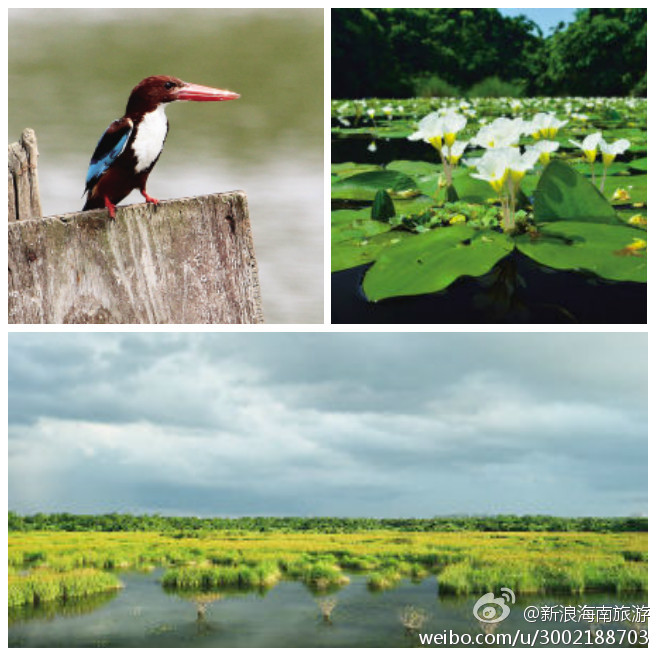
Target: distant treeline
{"points": [[397, 53], [155, 523]]}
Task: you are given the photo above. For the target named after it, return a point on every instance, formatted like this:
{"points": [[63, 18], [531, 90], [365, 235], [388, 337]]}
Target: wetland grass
{"points": [[465, 562], [45, 586], [567, 576], [207, 577]]}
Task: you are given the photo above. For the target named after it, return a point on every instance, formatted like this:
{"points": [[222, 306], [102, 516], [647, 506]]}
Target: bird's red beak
{"points": [[200, 93]]}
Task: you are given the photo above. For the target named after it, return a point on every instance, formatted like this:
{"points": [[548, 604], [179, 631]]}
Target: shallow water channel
{"points": [[144, 615]]}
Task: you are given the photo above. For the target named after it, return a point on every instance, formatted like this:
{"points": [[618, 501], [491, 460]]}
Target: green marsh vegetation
{"points": [[49, 565], [44, 585]]}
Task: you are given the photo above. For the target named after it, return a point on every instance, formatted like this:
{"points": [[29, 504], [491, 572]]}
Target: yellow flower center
{"points": [[545, 157], [436, 142], [607, 158], [450, 139], [590, 155], [497, 184]]}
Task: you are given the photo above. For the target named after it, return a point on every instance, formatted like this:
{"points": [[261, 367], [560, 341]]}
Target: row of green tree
{"points": [[175, 524], [396, 53]]}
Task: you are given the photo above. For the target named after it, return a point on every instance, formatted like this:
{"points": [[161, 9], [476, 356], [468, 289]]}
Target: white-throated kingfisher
{"points": [[131, 146]]}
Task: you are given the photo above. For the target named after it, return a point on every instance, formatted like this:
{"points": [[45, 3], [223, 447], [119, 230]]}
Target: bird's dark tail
{"points": [[93, 202]]}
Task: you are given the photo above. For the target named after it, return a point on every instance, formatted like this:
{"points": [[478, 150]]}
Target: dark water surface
{"points": [[143, 615], [70, 75], [517, 290]]}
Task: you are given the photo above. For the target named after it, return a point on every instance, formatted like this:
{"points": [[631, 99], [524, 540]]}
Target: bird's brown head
{"points": [[158, 89]]}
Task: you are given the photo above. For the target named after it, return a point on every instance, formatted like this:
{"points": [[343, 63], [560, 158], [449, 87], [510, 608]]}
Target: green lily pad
{"points": [[364, 186], [349, 224], [563, 193], [636, 186], [615, 168], [430, 262], [639, 165], [413, 205], [471, 189], [414, 168], [357, 252], [606, 250], [348, 169]]}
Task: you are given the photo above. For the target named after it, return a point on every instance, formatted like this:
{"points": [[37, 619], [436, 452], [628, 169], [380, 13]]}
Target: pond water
{"points": [[516, 290], [71, 72], [143, 615]]}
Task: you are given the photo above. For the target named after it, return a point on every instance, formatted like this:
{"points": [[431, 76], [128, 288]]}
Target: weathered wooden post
{"points": [[24, 199], [188, 260]]}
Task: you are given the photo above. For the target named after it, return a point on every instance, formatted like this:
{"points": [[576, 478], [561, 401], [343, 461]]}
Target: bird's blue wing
{"points": [[112, 143]]}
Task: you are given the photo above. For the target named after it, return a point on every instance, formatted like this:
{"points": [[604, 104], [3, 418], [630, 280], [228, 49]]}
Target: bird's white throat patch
{"points": [[149, 141]]}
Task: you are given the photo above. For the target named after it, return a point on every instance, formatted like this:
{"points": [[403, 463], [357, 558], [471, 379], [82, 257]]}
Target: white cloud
{"points": [[218, 420]]}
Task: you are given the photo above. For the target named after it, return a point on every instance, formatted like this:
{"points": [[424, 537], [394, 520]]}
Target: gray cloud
{"points": [[383, 424]]}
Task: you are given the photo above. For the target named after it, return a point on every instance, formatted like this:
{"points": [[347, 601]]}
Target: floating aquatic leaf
{"points": [[613, 252], [431, 262], [563, 193]]}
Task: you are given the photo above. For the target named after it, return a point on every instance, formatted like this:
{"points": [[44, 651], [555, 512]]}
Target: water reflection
{"points": [[70, 74], [288, 615], [70, 607]]}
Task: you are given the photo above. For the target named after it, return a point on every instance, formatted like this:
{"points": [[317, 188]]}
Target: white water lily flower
{"points": [[589, 145], [500, 133], [456, 151], [436, 128], [493, 167], [371, 112], [520, 163], [372, 147], [545, 126], [610, 151], [430, 129], [452, 124], [544, 150], [387, 110]]}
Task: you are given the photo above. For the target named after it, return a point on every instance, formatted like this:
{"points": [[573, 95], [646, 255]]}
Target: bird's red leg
{"points": [[111, 207], [149, 198]]}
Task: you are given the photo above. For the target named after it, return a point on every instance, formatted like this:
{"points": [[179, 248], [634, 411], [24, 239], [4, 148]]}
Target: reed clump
{"points": [[46, 586], [541, 575], [382, 580], [206, 577]]}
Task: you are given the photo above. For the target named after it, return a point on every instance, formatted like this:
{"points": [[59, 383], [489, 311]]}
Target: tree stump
{"points": [[188, 260]]}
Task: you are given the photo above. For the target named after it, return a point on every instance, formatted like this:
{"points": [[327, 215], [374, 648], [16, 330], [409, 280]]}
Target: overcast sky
{"points": [[421, 424]]}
